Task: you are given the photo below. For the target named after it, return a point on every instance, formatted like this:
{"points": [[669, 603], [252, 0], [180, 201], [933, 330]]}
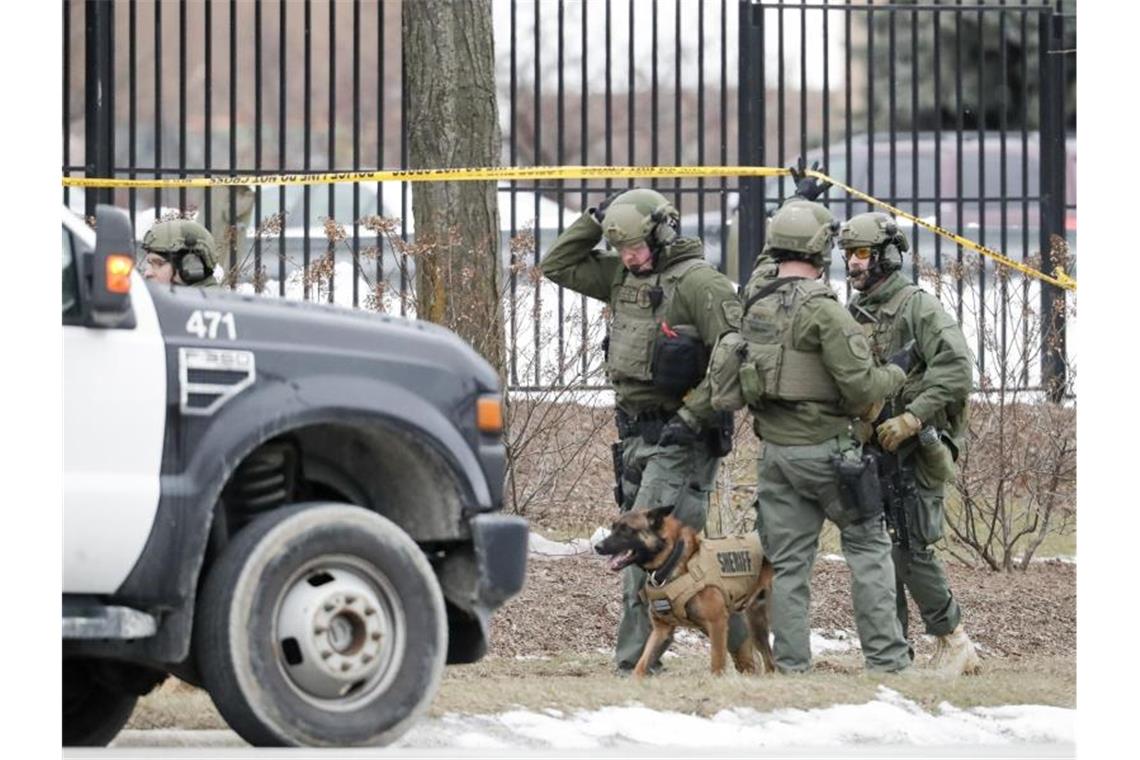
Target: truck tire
{"points": [[321, 624], [94, 711]]}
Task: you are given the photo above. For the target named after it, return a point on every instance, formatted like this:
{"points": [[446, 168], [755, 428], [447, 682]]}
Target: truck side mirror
{"points": [[109, 297]]}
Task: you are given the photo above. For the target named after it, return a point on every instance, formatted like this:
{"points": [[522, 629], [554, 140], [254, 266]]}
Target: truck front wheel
{"points": [[321, 625], [95, 709]]}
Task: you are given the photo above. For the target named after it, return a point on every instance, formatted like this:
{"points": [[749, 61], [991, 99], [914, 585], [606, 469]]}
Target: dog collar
{"points": [[661, 574]]}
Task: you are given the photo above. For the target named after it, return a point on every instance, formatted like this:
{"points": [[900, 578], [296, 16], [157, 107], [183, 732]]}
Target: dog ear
{"points": [[657, 515]]}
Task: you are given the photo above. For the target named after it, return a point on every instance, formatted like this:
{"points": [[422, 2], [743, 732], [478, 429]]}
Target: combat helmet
{"points": [[640, 215], [880, 233], [801, 230], [187, 244]]}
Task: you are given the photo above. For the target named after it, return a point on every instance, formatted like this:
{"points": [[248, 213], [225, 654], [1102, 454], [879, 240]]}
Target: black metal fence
{"points": [[960, 113]]}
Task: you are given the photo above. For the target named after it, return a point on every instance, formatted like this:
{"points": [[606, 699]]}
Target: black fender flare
{"points": [[166, 574]]}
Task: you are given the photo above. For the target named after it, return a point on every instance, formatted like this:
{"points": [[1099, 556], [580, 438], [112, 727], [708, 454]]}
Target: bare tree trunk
{"points": [[453, 121]]}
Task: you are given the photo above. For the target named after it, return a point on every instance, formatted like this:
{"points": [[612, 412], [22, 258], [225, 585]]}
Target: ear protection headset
{"points": [[189, 263], [191, 267], [665, 220], [894, 247]]}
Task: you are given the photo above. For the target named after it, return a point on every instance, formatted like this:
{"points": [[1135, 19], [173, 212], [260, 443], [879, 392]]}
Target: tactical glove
{"points": [[897, 429], [905, 357], [873, 410], [677, 432], [808, 188], [599, 212]]}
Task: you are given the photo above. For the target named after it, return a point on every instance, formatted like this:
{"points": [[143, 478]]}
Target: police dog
{"points": [[665, 547]]}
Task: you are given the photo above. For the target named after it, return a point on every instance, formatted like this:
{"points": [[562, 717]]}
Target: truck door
{"points": [[114, 396]]}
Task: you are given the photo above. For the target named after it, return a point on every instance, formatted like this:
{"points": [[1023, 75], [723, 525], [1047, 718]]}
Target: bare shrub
{"points": [[1016, 482]]}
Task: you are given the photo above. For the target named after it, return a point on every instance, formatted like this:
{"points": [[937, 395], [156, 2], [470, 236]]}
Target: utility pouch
{"points": [[718, 437], [760, 376], [859, 489], [679, 359], [934, 461], [626, 427], [751, 385]]}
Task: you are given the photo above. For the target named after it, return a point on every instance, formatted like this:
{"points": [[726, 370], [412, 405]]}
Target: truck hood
{"points": [[326, 338]]}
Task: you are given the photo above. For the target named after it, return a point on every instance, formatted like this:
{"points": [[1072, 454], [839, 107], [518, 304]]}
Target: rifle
{"points": [[896, 481]]}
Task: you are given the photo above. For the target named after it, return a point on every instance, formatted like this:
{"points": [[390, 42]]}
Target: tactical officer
{"points": [[926, 425], [669, 307], [804, 368], [180, 252]]}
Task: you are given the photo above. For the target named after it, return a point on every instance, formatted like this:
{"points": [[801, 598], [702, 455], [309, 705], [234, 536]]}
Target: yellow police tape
{"points": [[1059, 278]]}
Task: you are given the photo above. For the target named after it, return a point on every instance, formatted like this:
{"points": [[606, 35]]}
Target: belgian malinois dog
{"points": [[663, 546]]}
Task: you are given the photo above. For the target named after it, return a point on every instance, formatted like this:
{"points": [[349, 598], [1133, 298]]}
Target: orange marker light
{"points": [[119, 268], [489, 414]]}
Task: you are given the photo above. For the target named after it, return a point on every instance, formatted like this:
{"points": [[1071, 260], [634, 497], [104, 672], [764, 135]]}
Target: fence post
{"points": [[99, 84], [750, 214], [1052, 209]]}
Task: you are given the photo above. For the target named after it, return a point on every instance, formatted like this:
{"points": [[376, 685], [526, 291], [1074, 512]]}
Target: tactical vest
{"points": [[730, 564], [773, 368], [883, 331], [635, 324]]}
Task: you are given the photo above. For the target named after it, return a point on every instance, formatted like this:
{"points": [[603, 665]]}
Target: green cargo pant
{"points": [[797, 490], [657, 476], [920, 572]]}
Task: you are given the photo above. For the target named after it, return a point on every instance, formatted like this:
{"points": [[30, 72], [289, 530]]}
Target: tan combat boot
{"points": [[935, 661], [957, 655]]}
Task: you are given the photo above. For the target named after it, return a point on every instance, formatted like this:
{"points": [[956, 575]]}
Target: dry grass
{"points": [[585, 682], [551, 648]]}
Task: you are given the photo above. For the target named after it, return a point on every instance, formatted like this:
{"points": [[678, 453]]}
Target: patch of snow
{"points": [[544, 547], [833, 558], [599, 535], [833, 642], [1068, 559], [890, 719]]}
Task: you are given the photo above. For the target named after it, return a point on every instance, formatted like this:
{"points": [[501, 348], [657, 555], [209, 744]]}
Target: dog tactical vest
{"points": [[635, 324], [731, 564]]}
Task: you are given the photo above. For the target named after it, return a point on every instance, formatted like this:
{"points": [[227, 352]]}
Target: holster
{"points": [[625, 424], [718, 437], [859, 487], [619, 492], [647, 424]]}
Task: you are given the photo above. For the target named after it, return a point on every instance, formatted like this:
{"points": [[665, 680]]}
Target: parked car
{"points": [[392, 200]]}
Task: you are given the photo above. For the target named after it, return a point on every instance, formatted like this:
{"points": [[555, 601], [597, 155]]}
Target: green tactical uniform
{"points": [[695, 299], [804, 368], [763, 272], [895, 312]]}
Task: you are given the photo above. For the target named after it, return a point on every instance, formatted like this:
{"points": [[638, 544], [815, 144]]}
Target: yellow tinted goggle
{"points": [[862, 252]]}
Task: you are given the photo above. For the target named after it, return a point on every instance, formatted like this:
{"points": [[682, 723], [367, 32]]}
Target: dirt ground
{"points": [[571, 604]]}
